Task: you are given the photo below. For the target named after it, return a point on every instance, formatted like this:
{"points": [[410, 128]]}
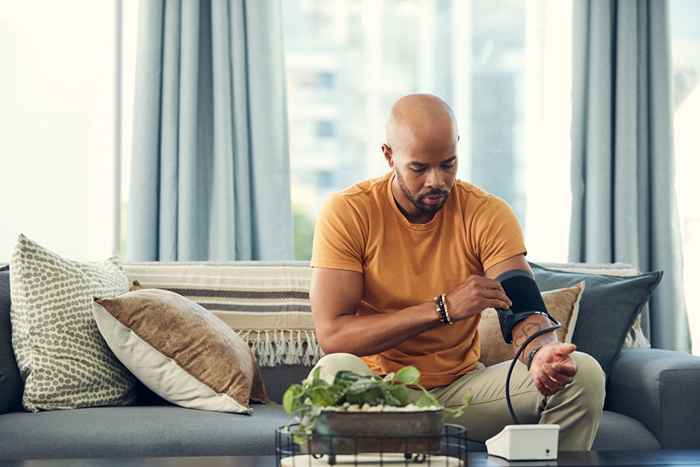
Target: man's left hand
{"points": [[553, 368]]}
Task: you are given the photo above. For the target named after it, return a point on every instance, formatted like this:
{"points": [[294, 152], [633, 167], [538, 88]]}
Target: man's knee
{"points": [[589, 382], [332, 363]]}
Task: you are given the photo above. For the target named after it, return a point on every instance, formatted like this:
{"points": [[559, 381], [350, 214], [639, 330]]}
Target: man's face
{"points": [[426, 175]]}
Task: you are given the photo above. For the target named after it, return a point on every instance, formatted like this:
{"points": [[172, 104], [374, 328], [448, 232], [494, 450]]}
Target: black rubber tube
{"points": [[515, 360]]}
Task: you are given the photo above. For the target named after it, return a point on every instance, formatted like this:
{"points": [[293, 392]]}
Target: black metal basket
{"points": [[296, 449]]}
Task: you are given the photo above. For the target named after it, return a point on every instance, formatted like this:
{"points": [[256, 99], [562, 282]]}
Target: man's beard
{"points": [[417, 201]]}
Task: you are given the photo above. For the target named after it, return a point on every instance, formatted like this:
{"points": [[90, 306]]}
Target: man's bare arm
{"points": [[531, 324], [335, 296], [528, 327]]}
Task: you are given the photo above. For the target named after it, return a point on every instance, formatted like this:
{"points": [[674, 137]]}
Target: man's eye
{"points": [[448, 166], [417, 170]]}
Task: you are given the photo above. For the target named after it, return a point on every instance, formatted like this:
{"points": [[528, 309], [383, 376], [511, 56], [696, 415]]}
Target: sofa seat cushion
{"points": [[138, 431], [173, 431], [616, 432], [620, 432]]}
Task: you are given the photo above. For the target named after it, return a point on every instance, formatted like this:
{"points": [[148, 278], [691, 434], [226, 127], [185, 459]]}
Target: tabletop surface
{"points": [[476, 459]]}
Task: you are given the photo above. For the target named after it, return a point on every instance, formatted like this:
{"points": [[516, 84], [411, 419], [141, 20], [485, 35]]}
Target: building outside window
{"points": [[503, 66]]}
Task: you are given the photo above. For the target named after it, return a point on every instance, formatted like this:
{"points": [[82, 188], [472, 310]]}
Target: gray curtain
{"points": [[624, 207], [210, 167]]}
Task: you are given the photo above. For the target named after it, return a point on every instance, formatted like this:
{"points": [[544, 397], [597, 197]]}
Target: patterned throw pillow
{"points": [[60, 353], [562, 304], [181, 351]]}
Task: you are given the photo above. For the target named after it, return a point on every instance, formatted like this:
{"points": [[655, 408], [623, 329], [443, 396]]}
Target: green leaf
{"points": [[389, 398], [322, 396], [426, 400], [364, 392], [400, 393], [346, 377], [290, 399], [407, 375], [316, 375], [459, 411], [360, 386], [337, 392]]}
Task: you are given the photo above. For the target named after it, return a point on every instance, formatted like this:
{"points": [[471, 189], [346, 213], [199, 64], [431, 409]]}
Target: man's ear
{"points": [[388, 154]]}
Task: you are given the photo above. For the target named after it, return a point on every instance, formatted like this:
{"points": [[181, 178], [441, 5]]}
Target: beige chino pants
{"points": [[576, 408]]}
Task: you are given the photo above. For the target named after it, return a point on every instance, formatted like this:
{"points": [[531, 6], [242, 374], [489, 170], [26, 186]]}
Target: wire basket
{"points": [[296, 449]]}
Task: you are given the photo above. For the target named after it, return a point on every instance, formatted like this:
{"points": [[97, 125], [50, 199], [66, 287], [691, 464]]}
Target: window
{"points": [[325, 129], [685, 35], [326, 80], [503, 66], [58, 93]]}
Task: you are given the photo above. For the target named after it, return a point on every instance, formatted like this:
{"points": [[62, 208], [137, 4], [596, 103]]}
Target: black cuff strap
{"points": [[522, 290]]}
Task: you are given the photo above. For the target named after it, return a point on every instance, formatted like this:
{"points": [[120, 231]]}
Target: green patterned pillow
{"points": [[60, 353]]}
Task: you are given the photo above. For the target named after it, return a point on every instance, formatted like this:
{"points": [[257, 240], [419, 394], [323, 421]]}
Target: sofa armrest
{"points": [[660, 389]]}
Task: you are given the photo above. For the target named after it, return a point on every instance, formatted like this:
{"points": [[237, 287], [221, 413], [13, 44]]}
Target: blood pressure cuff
{"points": [[522, 290]]}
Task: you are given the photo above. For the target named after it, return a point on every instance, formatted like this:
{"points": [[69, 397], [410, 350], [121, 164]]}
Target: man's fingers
{"points": [[543, 390], [493, 294], [490, 289], [497, 304], [487, 283], [564, 350], [549, 386], [556, 376], [545, 381], [566, 368]]}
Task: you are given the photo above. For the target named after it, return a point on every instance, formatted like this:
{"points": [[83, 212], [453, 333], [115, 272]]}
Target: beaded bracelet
{"points": [[443, 299], [441, 308]]}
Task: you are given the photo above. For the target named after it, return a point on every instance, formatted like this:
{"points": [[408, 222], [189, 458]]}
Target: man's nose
{"points": [[435, 179]]}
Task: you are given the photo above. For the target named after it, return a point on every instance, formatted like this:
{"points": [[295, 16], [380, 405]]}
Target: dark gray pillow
{"points": [[608, 307], [10, 380]]}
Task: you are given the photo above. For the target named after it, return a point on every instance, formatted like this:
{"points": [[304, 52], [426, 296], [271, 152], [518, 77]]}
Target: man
{"points": [[384, 249]]}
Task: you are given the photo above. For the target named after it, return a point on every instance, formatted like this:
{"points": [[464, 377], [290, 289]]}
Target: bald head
{"points": [[420, 121], [421, 149]]}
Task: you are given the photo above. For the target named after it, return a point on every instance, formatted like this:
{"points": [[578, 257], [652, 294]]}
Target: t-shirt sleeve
{"points": [[497, 232], [338, 237]]}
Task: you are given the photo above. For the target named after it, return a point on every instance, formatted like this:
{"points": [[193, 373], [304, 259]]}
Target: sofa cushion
{"points": [[279, 378], [608, 308], [180, 350], [139, 432], [616, 432], [620, 432], [636, 337], [10, 380], [61, 355], [160, 431], [174, 431]]}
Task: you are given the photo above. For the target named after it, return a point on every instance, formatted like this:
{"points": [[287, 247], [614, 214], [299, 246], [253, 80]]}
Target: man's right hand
{"points": [[476, 294]]}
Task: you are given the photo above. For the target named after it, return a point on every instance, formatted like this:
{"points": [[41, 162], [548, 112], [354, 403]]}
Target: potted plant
{"points": [[366, 413]]}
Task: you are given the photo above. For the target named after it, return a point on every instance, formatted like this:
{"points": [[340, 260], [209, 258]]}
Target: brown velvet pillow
{"points": [[180, 350], [562, 304]]}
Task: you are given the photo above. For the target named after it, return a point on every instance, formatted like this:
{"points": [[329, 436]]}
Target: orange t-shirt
{"points": [[361, 229]]}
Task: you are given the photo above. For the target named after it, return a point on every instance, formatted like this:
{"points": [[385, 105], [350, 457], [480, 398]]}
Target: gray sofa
{"points": [[652, 402]]}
